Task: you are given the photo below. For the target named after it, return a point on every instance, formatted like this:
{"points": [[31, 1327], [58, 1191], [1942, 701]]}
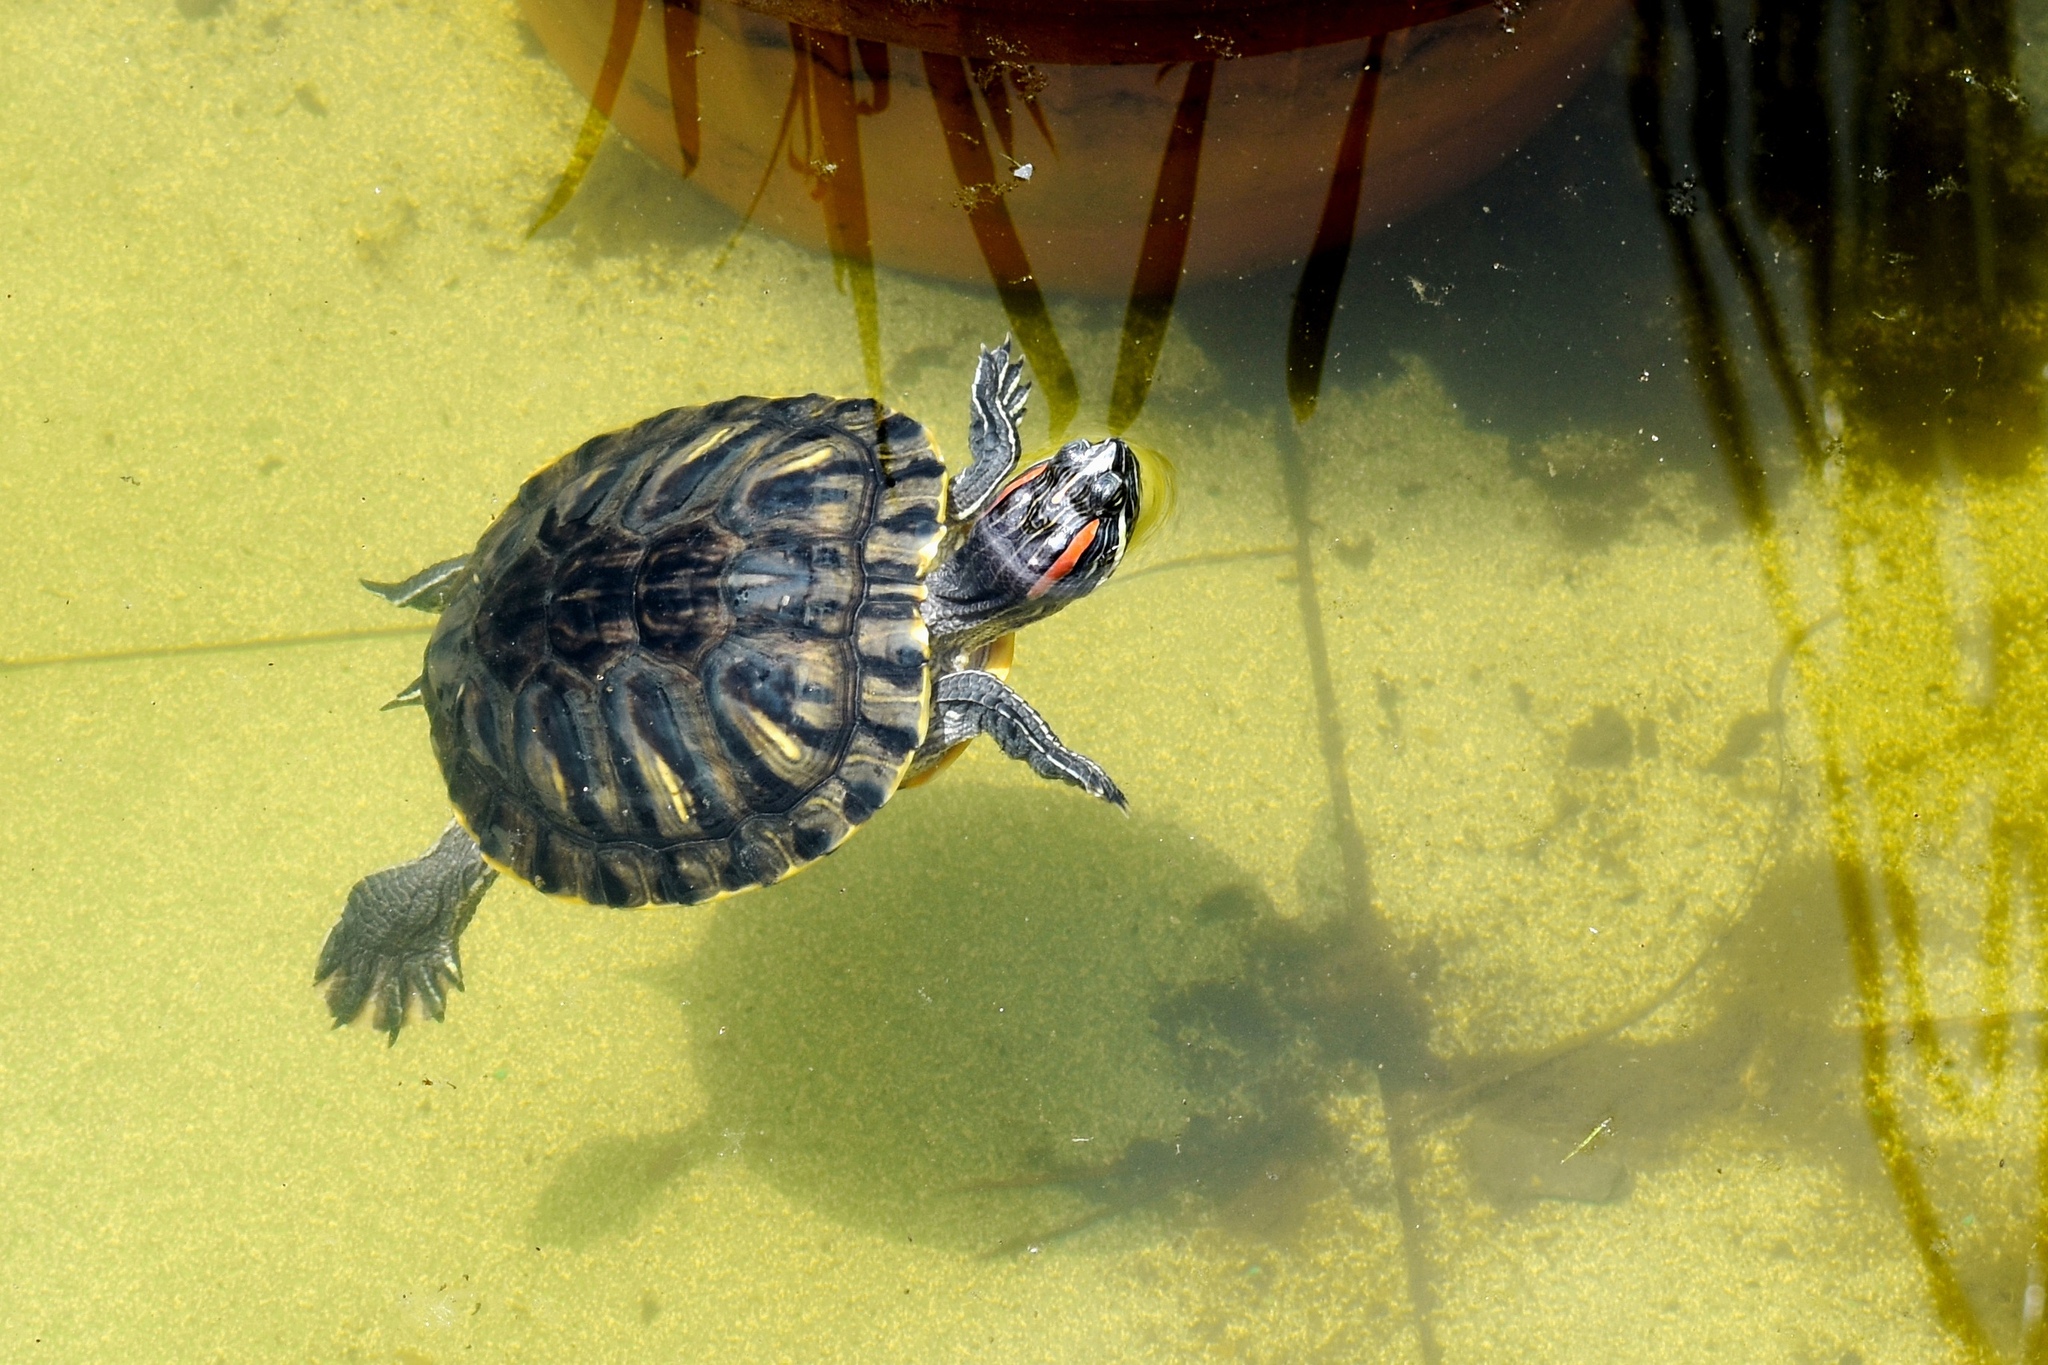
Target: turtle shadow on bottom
{"points": [[968, 984], [604, 1187], [998, 1011], [1003, 1017]]}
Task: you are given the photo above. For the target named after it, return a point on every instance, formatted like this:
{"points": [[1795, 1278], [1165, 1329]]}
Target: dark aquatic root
{"points": [[396, 947], [1213, 1156]]}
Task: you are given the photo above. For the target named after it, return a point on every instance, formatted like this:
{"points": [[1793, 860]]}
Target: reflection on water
{"points": [[1441, 93], [1584, 719], [1914, 228]]}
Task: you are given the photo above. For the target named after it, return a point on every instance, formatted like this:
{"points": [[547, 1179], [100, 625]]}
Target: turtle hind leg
{"points": [[396, 947], [972, 702], [427, 590]]}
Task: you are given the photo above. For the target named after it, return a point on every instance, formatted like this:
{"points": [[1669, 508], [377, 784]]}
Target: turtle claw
{"points": [[395, 949], [1083, 772], [396, 990], [415, 694], [388, 989]]}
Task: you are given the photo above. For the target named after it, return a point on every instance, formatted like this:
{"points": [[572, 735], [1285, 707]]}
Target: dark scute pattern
{"points": [[618, 878], [855, 415], [684, 874], [479, 801], [813, 834], [546, 868], [911, 521], [894, 653], [782, 708], [863, 799], [812, 482], [568, 517], [681, 603], [675, 885], [793, 585], [508, 830], [896, 736], [690, 459], [661, 718], [853, 418], [667, 493], [897, 436], [591, 621], [480, 727], [734, 409], [563, 749], [756, 861], [685, 660], [512, 618], [576, 867]]}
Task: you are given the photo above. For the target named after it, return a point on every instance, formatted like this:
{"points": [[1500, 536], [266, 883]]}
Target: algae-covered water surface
{"points": [[1582, 691]]}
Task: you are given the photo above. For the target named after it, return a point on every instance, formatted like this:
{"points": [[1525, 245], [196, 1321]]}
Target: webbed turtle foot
{"points": [[396, 948]]}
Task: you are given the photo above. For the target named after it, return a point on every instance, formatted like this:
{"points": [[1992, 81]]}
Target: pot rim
{"points": [[1109, 32]]}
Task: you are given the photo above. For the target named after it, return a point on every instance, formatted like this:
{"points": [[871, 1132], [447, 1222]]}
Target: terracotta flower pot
{"points": [[1041, 142]]}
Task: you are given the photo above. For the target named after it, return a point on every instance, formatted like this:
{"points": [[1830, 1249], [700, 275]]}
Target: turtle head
{"points": [[1067, 520], [1054, 533]]}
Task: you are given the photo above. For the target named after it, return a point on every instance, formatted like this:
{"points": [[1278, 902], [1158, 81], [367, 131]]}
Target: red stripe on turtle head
{"points": [[1069, 557], [1026, 477]]}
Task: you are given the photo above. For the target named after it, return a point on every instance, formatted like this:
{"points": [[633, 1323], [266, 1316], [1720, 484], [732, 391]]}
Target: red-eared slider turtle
{"points": [[694, 655]]}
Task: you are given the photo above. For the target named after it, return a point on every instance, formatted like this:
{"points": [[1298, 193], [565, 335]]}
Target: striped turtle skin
{"points": [[689, 657]]}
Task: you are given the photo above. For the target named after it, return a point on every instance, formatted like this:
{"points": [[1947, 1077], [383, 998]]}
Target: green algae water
{"points": [[1583, 715]]}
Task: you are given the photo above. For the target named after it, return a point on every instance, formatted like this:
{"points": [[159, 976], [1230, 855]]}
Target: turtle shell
{"points": [[689, 657]]}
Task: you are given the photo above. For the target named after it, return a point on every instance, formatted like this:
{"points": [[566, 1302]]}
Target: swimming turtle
{"points": [[694, 655]]}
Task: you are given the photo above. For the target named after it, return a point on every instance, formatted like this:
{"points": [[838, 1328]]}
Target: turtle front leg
{"points": [[972, 702], [995, 411], [396, 945]]}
